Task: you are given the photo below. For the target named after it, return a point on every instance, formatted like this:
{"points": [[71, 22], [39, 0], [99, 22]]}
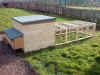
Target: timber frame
{"points": [[65, 28]]}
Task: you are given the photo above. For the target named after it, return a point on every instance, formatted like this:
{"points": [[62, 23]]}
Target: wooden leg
{"points": [[77, 30], [94, 30], [69, 34], [66, 36]]}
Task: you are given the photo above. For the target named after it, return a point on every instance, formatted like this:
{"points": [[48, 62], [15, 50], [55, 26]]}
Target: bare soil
{"points": [[12, 65]]}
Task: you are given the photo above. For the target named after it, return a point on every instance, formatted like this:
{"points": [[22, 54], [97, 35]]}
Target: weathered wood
{"points": [[18, 43], [94, 29], [77, 31], [66, 35], [87, 30]]}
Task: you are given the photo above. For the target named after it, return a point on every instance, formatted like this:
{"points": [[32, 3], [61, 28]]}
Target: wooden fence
{"points": [[84, 14]]}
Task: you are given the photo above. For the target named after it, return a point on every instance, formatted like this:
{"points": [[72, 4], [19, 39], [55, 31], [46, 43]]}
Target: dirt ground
{"points": [[12, 65]]}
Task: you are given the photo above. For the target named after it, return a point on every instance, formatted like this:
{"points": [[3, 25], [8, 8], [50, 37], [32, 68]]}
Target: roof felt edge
{"points": [[13, 33], [51, 18], [33, 21]]}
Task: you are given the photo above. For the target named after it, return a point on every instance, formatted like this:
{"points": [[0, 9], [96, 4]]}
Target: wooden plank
{"points": [[16, 43], [19, 43], [74, 40], [66, 35], [94, 30], [60, 34], [77, 31]]}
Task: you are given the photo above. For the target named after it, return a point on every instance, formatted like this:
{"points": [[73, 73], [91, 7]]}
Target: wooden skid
{"points": [[74, 41]]}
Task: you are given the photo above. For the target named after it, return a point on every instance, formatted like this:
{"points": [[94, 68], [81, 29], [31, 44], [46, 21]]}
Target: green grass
{"points": [[70, 36], [81, 58], [61, 18], [60, 39], [7, 13]]}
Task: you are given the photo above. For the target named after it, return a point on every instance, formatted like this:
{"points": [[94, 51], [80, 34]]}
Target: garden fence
{"points": [[67, 10]]}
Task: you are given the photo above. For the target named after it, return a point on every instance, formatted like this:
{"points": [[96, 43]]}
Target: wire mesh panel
{"points": [[73, 31]]}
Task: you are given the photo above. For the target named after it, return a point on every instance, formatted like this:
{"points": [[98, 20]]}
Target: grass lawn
{"points": [[71, 36], [81, 58], [7, 13]]}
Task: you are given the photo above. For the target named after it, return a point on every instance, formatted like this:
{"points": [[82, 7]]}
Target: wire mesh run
{"points": [[71, 31]]}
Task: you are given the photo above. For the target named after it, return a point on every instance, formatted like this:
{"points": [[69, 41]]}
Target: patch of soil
{"points": [[12, 65], [5, 49]]}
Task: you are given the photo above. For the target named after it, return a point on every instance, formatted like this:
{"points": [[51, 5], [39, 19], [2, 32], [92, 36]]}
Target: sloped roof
{"points": [[13, 33], [33, 18]]}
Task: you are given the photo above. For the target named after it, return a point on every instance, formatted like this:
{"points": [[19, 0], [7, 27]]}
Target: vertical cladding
{"points": [[37, 36], [41, 37]]}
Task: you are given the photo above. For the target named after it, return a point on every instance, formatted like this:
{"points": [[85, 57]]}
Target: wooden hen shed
{"points": [[38, 31]]}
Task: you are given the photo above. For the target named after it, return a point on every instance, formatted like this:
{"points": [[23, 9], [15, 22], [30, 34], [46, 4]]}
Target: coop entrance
{"points": [[71, 31]]}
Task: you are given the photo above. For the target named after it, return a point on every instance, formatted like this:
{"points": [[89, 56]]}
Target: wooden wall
{"points": [[37, 36]]}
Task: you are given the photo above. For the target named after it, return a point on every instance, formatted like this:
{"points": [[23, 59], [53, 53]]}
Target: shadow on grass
{"points": [[95, 69], [22, 54]]}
